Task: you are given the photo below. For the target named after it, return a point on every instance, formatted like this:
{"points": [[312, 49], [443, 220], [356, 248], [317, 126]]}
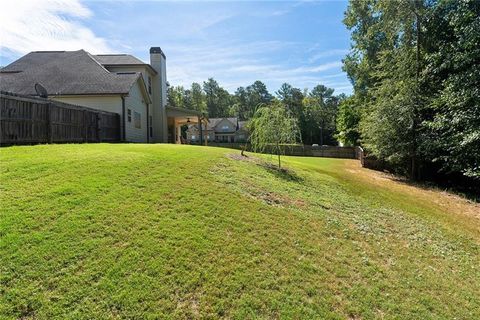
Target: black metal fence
{"points": [[32, 120]]}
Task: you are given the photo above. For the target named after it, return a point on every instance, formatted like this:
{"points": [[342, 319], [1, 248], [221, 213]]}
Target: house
{"points": [[219, 130], [119, 83]]}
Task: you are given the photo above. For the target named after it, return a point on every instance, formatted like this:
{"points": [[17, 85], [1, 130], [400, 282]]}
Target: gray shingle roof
{"points": [[117, 59], [113, 60], [212, 122], [195, 126], [63, 73], [215, 121]]}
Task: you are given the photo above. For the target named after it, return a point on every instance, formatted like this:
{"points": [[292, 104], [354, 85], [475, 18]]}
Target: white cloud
{"points": [[328, 53], [281, 70], [31, 25], [223, 61], [195, 50], [318, 68], [238, 64]]}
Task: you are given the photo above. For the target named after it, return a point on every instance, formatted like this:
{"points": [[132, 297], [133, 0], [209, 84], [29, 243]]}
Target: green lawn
{"points": [[168, 231]]}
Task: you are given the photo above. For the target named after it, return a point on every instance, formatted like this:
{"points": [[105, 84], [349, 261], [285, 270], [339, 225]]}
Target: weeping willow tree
{"points": [[273, 128]]}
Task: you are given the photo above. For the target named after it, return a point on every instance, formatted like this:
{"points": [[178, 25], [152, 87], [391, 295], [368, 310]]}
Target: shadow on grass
{"points": [[467, 188], [282, 173], [470, 193]]}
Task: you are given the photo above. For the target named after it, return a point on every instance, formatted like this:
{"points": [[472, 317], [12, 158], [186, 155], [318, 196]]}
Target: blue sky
{"points": [[236, 43]]}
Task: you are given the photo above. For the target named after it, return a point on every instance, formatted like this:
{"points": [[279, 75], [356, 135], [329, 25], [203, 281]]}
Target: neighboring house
{"points": [[119, 83], [219, 130]]}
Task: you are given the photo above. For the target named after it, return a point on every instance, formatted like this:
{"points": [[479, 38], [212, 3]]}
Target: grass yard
{"points": [[169, 231]]}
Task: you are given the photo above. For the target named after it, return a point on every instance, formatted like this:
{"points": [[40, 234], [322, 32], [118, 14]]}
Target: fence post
{"points": [[361, 155], [97, 126], [85, 126], [49, 123]]}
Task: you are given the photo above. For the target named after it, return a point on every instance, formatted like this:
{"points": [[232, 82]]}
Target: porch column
{"points": [[178, 133], [201, 130], [206, 133]]}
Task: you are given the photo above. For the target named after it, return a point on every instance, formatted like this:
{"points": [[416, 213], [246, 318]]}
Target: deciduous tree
{"points": [[272, 129]]}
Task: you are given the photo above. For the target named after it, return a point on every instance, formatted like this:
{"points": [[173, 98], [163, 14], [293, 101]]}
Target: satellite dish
{"points": [[41, 91]]}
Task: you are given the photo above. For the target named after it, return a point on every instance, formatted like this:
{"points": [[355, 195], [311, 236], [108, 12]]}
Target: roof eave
{"points": [[143, 88], [195, 112], [149, 67], [87, 94]]}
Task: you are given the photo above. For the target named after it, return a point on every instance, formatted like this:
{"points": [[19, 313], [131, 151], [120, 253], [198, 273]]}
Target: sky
{"points": [[235, 42]]}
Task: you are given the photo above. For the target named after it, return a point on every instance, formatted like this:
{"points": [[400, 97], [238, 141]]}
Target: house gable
{"points": [[225, 126], [192, 129], [220, 130], [137, 113], [140, 84]]}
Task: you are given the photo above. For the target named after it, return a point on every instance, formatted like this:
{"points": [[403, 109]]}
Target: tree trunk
{"points": [[413, 160], [278, 153], [243, 150]]}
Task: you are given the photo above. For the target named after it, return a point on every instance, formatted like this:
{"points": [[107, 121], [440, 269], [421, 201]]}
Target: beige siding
{"points": [[136, 103], [194, 132], [142, 69], [105, 103], [210, 135], [241, 135]]}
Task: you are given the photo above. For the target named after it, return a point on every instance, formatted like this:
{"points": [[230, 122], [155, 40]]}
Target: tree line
{"points": [[314, 111], [415, 70]]}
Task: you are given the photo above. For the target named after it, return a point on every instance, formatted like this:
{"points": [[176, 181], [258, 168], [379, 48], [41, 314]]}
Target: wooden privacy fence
{"points": [[31, 120], [302, 150], [322, 151]]}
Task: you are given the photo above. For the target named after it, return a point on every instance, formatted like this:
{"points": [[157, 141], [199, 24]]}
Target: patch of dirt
{"points": [[191, 304], [269, 197], [272, 198], [239, 157]]}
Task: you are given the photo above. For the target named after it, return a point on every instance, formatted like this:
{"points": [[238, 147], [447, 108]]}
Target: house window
{"points": [[137, 120], [225, 128], [193, 137], [129, 115], [150, 85]]}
